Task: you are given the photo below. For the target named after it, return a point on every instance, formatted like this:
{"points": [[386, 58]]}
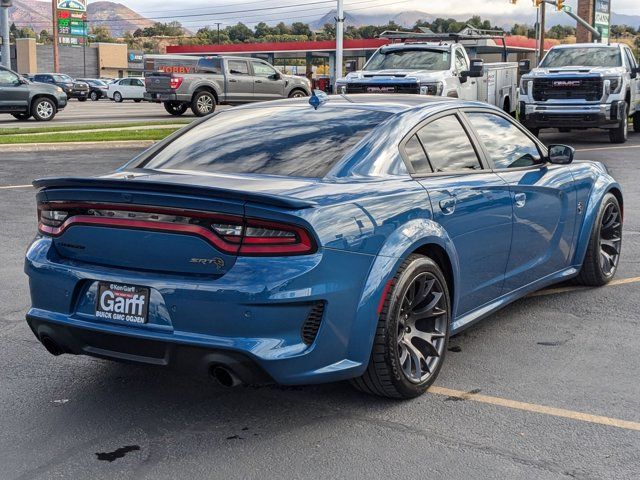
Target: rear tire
{"points": [[412, 332], [23, 117], [636, 122], [94, 96], [82, 99], [203, 103], [297, 93], [176, 108], [605, 244], [43, 109], [137, 100], [117, 97], [621, 132]]}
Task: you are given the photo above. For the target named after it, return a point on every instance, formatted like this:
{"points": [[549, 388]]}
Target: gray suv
{"points": [[222, 80], [24, 99]]}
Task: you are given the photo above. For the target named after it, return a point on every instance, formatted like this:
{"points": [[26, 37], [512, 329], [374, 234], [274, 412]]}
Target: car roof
{"points": [[391, 103], [587, 45]]}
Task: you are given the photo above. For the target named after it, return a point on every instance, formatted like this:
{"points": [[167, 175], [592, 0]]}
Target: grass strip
{"points": [[64, 128], [110, 136]]}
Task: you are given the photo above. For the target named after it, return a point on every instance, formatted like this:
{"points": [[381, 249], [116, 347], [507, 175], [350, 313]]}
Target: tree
{"points": [[45, 37], [101, 33], [240, 33]]}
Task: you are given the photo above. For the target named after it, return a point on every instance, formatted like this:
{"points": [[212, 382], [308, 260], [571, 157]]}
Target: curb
{"points": [[68, 146]]}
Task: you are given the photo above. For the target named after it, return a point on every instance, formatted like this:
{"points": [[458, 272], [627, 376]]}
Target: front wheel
{"points": [[43, 110], [138, 100], [298, 94], [203, 104], [605, 244], [82, 99], [94, 96], [117, 97], [412, 332], [175, 108], [620, 134]]}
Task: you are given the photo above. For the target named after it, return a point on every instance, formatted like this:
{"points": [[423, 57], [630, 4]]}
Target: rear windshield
{"points": [[294, 141], [418, 59], [582, 57]]}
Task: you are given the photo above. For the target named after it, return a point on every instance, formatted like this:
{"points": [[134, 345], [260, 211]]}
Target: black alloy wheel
{"points": [[412, 332], [605, 245]]}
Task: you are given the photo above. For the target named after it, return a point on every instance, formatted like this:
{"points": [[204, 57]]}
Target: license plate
{"points": [[127, 303]]}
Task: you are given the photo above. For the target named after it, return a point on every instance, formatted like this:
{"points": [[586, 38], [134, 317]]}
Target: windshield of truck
{"points": [[291, 141], [417, 59], [583, 57]]}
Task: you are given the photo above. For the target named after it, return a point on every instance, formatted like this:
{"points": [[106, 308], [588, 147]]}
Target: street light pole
{"points": [[339, 39], [4, 29], [543, 15]]}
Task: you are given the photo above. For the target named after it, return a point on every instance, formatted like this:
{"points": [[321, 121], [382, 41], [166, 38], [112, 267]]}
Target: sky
{"points": [[153, 8]]}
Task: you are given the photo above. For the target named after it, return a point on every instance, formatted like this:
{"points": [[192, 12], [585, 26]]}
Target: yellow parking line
{"points": [[10, 187], [605, 148], [554, 291], [535, 408]]}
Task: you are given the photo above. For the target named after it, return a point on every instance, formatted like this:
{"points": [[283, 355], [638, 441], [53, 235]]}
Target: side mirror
{"points": [[634, 72], [476, 70], [276, 76], [524, 67], [561, 154]]}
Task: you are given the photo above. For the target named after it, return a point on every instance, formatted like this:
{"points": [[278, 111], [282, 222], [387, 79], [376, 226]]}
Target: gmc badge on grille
{"points": [[566, 83]]}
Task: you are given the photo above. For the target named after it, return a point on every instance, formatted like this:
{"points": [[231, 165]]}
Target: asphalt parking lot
{"points": [[547, 388]]}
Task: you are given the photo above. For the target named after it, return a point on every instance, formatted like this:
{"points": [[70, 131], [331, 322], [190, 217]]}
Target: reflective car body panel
{"points": [[364, 217]]}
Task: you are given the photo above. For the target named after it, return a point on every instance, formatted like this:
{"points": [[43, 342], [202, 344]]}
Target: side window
{"points": [[448, 146], [238, 67], [461, 62], [416, 155], [507, 145], [210, 65], [630, 58], [138, 83], [262, 70], [8, 79]]}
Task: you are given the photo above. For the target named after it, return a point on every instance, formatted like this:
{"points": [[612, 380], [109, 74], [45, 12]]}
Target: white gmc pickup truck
{"points": [[581, 86], [435, 68]]}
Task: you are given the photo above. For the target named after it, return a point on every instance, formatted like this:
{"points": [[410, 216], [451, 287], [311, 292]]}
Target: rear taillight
{"points": [[229, 233], [175, 82]]}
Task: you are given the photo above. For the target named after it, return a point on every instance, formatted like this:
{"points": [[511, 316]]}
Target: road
{"points": [[76, 417], [102, 112]]}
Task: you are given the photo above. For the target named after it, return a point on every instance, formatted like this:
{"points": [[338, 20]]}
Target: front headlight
{"points": [[59, 90], [523, 86], [615, 84], [432, 88]]}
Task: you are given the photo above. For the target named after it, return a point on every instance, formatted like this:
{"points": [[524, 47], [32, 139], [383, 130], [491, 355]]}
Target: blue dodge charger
{"points": [[301, 242]]}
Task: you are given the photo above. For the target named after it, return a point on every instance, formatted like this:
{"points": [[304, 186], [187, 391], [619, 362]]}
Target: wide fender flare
{"points": [[206, 85], [602, 186], [399, 245]]}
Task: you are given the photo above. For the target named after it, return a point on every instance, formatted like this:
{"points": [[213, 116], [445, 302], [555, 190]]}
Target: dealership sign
{"points": [[75, 5], [72, 22], [602, 18]]}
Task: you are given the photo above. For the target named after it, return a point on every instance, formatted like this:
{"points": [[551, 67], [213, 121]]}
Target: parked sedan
{"points": [[97, 88], [301, 244], [126, 89]]}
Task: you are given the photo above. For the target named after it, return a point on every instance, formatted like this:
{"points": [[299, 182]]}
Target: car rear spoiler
{"points": [[166, 187]]}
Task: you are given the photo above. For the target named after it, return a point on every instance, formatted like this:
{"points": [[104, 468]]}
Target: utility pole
{"points": [[339, 39], [218, 25], [543, 14], [4, 30], [56, 53]]}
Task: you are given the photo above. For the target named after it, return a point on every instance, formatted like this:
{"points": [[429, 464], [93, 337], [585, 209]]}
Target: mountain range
{"points": [[120, 19]]}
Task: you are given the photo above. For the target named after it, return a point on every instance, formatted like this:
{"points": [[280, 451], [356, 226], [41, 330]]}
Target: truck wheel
{"points": [[176, 108], [636, 122], [21, 116], [43, 109], [297, 93], [621, 132], [82, 99], [94, 96], [203, 104], [117, 97]]}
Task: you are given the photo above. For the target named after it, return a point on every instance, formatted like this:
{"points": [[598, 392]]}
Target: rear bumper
{"points": [[257, 310], [60, 338], [166, 97], [571, 115]]}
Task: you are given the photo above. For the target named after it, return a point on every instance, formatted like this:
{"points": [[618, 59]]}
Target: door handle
{"points": [[258, 81], [520, 199], [231, 80], [448, 205]]}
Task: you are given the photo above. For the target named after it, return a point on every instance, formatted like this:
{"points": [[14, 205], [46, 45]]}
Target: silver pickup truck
{"points": [[222, 80]]}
